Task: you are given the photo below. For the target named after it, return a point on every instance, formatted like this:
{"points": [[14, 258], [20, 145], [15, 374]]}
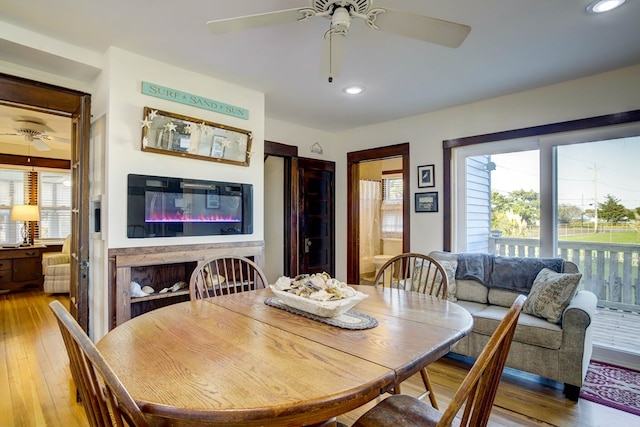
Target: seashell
{"points": [[177, 286], [136, 291], [163, 290], [148, 290], [317, 287]]}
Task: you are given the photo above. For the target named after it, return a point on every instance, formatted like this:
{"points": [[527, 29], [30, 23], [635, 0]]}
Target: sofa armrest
{"points": [[577, 342], [580, 310], [55, 258]]}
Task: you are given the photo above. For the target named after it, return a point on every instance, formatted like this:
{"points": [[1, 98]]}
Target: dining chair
{"points": [[414, 272], [477, 391], [225, 274], [105, 400], [418, 273]]}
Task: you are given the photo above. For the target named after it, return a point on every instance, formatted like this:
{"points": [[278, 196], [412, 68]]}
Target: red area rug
{"points": [[612, 386]]}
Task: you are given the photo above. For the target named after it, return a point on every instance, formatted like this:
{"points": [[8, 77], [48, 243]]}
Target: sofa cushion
{"points": [[502, 297], [470, 290], [550, 294], [531, 330], [471, 307]]}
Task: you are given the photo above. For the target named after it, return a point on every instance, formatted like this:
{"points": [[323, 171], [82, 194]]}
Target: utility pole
{"points": [[595, 191]]}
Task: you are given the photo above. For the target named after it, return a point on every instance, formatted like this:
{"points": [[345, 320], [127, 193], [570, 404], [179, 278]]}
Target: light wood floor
{"points": [[36, 387]]}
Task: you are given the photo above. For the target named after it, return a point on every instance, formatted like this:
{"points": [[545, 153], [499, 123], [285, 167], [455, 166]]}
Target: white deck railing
{"points": [[609, 270]]}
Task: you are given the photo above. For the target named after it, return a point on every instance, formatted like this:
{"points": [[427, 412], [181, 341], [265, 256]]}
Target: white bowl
{"points": [[319, 308]]}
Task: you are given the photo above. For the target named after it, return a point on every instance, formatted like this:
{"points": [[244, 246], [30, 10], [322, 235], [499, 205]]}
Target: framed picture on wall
{"points": [[425, 176], [427, 202]]}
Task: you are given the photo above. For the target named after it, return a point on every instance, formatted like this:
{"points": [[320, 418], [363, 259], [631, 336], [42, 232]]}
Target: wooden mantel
{"points": [[123, 262]]}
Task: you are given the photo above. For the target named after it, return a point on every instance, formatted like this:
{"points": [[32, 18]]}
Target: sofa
{"points": [[554, 334]]}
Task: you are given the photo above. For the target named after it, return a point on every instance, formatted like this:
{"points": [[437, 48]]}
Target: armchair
{"points": [[57, 269]]}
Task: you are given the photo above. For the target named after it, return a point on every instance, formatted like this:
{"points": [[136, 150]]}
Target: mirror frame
{"points": [[225, 144]]}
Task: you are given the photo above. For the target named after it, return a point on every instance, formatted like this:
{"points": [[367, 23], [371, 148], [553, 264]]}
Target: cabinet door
{"points": [[26, 269]]}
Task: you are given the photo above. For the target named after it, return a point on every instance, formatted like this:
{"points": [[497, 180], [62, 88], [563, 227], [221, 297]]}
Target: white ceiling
{"points": [[54, 126], [514, 45]]}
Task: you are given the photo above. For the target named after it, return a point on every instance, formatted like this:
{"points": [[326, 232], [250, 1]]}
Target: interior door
{"points": [[316, 202], [79, 286]]}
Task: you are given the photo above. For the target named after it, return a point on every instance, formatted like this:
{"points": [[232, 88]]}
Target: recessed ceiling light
{"points": [[602, 6], [353, 90]]}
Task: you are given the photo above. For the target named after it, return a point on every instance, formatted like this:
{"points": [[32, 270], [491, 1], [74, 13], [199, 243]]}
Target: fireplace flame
{"points": [[186, 217]]}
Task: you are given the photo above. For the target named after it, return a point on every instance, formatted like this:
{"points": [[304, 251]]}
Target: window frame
{"points": [[550, 135]]}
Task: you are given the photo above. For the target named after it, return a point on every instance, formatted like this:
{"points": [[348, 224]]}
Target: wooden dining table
{"points": [[233, 360]]}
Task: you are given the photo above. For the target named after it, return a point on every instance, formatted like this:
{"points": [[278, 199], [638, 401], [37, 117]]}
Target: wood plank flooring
{"points": [[36, 387]]}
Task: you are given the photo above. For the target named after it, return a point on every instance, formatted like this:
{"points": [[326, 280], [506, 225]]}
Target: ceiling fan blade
{"points": [[333, 51], [39, 144], [421, 27], [228, 25], [54, 138]]}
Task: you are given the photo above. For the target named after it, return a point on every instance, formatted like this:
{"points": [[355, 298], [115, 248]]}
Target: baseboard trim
{"points": [[616, 357]]}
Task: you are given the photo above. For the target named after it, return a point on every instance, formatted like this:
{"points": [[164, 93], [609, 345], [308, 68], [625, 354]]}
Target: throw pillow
{"points": [[449, 269], [550, 294]]}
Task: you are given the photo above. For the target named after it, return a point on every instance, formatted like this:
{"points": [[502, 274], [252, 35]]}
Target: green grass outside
{"points": [[625, 237]]}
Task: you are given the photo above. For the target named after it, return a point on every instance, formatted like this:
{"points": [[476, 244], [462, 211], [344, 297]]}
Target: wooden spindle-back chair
{"points": [[226, 274], [477, 391], [104, 398], [419, 273]]}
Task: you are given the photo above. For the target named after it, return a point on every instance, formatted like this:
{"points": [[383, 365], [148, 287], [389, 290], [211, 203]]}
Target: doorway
{"points": [[355, 162], [300, 222], [75, 105]]}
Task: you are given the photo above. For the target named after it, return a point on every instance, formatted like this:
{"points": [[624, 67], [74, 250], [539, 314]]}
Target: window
{"points": [[565, 190], [55, 205], [54, 199], [392, 207], [12, 184]]}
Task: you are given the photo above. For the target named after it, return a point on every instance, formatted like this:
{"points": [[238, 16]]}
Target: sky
{"points": [[584, 170]]}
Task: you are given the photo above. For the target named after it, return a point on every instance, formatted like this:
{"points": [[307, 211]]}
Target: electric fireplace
{"points": [[171, 207]]}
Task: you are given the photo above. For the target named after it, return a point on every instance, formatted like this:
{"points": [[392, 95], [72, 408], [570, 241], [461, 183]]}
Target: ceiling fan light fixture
{"points": [[601, 6], [353, 90]]}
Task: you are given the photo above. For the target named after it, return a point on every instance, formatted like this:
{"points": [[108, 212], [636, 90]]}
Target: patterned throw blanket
{"points": [[511, 273]]}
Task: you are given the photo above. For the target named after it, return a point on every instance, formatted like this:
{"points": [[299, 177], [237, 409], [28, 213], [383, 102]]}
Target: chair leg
{"points": [[427, 384]]}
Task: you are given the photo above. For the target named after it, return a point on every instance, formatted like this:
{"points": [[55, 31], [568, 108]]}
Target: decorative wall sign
{"points": [[169, 133], [427, 202], [193, 100], [425, 176]]}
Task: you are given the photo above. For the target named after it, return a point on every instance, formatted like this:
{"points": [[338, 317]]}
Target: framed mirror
{"points": [[177, 135]]}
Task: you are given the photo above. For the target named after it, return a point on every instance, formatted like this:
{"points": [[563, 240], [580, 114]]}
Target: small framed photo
{"points": [[426, 176], [427, 202]]}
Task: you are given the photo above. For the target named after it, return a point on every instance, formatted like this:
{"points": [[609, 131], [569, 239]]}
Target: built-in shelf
{"points": [[161, 267], [151, 297]]}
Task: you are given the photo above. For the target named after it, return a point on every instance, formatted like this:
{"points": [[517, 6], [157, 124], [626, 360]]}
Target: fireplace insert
{"points": [[172, 207]]}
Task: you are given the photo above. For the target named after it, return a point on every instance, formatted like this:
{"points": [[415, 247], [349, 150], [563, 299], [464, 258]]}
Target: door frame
{"points": [[289, 153], [24, 93], [353, 201]]}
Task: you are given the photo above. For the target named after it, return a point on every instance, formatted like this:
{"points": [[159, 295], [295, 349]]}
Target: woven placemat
{"points": [[349, 320]]}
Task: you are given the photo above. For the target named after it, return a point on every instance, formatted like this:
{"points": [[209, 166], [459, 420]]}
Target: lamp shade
{"points": [[25, 213]]}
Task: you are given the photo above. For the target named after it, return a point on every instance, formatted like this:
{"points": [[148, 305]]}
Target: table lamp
{"points": [[25, 213]]}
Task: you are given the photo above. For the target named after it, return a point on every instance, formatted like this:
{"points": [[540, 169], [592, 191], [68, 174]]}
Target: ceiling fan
{"points": [[340, 12], [34, 133]]}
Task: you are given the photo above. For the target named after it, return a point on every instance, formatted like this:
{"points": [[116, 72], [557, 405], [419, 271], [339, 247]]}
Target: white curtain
{"points": [[370, 201], [392, 220]]}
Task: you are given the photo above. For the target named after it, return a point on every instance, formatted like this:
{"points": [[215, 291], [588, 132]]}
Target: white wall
{"points": [[118, 101], [606, 93], [127, 71]]}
